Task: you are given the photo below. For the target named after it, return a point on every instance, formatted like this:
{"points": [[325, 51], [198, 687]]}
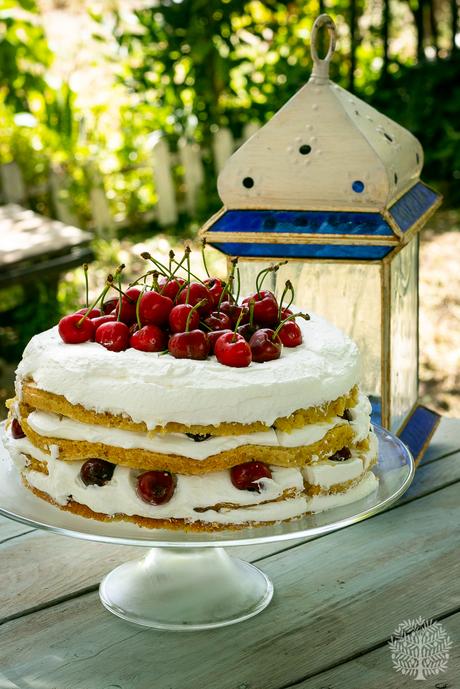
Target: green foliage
{"points": [[24, 53], [425, 98]]}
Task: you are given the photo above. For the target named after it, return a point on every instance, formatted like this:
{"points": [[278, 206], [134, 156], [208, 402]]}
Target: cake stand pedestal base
{"points": [[186, 589]]}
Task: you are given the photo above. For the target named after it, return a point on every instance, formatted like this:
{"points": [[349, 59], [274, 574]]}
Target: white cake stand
{"points": [[187, 581]]}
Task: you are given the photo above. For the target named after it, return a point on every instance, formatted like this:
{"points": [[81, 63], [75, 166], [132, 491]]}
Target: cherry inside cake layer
{"points": [[212, 498]]}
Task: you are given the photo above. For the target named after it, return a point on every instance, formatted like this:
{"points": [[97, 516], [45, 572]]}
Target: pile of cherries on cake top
{"points": [[189, 318]]}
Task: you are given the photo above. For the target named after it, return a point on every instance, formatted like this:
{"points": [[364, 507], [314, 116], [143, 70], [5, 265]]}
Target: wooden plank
{"points": [[190, 158], [55, 557], [101, 217], [12, 183], [59, 186], [374, 670], [223, 147], [10, 529], [164, 184], [337, 596]]}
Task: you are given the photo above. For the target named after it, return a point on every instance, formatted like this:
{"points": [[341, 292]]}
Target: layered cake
{"points": [[270, 427]]}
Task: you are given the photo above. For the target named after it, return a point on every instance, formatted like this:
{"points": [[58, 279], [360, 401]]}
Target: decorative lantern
{"points": [[333, 185]]}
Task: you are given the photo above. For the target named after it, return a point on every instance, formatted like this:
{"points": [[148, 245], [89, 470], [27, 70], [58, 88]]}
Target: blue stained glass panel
{"points": [[410, 207], [419, 428], [335, 251], [376, 414], [303, 222]]}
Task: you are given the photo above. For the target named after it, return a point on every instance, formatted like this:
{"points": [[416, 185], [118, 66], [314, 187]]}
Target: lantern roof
{"points": [[327, 167]]}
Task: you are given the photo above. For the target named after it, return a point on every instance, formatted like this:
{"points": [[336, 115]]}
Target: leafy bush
{"points": [[425, 98]]}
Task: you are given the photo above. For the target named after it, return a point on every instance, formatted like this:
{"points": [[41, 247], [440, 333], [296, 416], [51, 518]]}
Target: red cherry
{"points": [[16, 430], [218, 321], [178, 318], [290, 334], [190, 345], [264, 346], [285, 313], [74, 330], [156, 487], [94, 313], [169, 288], [233, 311], [194, 293], [341, 455], [110, 305], [150, 338], [246, 476], [265, 308], [108, 318], [96, 472], [215, 287], [128, 305], [154, 308], [247, 330], [113, 336], [214, 335], [232, 349]]}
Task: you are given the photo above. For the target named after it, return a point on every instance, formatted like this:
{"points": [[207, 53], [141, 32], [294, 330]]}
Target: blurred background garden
{"points": [[116, 117]]}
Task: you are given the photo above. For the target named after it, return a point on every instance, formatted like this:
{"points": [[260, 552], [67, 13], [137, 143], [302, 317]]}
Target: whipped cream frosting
{"points": [[56, 426], [119, 495], [329, 473], [157, 389]]}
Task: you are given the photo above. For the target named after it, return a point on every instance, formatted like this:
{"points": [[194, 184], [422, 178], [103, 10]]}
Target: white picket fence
{"points": [[161, 161]]}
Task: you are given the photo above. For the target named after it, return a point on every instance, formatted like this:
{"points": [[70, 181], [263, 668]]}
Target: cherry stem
{"points": [[108, 285], [178, 263], [264, 272], [171, 259], [305, 316], [251, 312], [238, 283], [187, 258], [234, 262], [159, 266], [120, 297], [237, 325], [85, 268], [194, 308], [155, 276], [222, 295], [287, 287], [189, 272], [203, 256], [142, 277], [138, 303]]}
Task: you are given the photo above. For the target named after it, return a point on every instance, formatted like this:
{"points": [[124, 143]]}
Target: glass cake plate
{"points": [[187, 581]]}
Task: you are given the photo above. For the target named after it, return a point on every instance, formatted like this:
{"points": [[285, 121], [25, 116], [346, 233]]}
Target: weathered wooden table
{"points": [[338, 599]]}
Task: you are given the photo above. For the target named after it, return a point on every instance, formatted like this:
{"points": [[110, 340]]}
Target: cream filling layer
{"points": [[329, 473], [159, 389], [119, 495], [55, 426]]}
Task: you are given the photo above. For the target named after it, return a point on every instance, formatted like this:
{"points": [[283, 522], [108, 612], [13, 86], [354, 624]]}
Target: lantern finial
{"points": [[321, 65]]}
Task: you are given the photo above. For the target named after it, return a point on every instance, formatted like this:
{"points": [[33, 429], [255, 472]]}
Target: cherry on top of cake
{"points": [[187, 317]]}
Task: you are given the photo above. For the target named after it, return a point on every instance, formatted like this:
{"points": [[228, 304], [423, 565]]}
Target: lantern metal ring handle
{"points": [[321, 65]]}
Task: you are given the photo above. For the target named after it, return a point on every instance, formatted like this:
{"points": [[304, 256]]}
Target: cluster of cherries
{"points": [[186, 317], [157, 487]]}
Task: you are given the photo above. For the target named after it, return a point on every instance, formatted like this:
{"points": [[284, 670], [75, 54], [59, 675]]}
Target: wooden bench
{"points": [[35, 251], [33, 247]]}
